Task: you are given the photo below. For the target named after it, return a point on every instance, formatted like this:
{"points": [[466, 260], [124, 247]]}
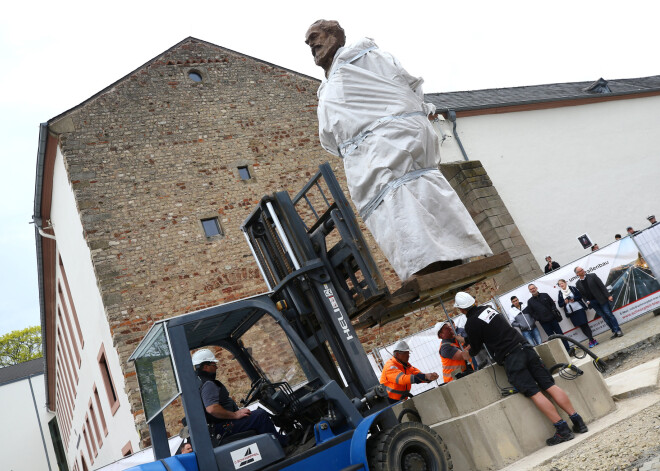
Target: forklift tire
{"points": [[409, 446]]}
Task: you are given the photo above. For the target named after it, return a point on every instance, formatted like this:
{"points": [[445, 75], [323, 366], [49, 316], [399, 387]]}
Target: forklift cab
{"points": [[316, 408]]}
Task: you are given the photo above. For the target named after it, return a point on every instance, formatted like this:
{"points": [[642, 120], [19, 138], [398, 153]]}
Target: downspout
{"points": [[451, 114], [41, 430]]}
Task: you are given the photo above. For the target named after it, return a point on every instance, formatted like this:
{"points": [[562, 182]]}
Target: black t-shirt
{"points": [[486, 326], [214, 392], [447, 350]]}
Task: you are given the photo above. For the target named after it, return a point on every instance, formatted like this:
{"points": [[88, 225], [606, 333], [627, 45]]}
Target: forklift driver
{"points": [[398, 375], [220, 408]]}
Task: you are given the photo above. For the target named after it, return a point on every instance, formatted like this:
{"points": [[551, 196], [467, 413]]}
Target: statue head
{"points": [[324, 37]]}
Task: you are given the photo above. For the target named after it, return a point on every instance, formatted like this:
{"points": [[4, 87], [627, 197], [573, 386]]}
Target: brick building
{"points": [[140, 193]]}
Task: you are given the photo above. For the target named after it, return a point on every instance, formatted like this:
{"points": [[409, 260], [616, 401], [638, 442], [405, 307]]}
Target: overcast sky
{"points": [[55, 55]]}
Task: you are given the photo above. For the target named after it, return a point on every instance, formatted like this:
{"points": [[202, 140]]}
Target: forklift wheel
{"points": [[409, 446]]}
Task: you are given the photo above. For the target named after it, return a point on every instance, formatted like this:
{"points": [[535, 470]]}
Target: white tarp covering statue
{"points": [[372, 114]]}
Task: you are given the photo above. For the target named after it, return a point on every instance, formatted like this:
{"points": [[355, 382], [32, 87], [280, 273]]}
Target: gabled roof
{"points": [[9, 374], [179, 44], [501, 97]]}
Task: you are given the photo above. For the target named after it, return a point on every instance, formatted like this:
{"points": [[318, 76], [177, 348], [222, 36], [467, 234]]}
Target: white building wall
{"points": [[91, 315], [566, 171], [21, 444]]}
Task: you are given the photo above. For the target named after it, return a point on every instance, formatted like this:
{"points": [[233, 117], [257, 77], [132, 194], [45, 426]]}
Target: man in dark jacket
{"points": [[524, 369], [598, 298], [542, 308]]}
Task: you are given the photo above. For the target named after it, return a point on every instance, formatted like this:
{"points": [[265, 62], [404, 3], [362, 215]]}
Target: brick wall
{"points": [[156, 152]]}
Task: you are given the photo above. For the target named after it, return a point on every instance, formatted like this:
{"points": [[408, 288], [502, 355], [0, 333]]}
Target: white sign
{"points": [[624, 272], [245, 456]]}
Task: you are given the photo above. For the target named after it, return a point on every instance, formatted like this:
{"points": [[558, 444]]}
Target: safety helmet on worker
{"points": [[464, 300], [438, 327], [401, 346], [203, 356]]}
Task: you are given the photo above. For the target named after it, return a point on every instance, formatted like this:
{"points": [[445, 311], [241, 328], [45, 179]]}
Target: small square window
{"points": [[244, 173], [211, 227]]}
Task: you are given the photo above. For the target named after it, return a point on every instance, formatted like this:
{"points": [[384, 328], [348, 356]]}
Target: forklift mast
{"points": [[313, 256]]}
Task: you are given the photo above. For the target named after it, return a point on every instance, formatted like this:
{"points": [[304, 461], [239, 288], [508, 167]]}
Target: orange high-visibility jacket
{"points": [[450, 366], [398, 378]]}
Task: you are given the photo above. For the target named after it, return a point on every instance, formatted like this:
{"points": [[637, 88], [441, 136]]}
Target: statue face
{"points": [[323, 46]]}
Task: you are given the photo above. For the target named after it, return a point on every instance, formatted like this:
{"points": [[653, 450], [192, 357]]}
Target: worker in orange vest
{"points": [[398, 375], [454, 358]]}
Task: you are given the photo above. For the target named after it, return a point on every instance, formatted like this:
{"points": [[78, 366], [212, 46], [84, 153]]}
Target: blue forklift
{"points": [[321, 275]]}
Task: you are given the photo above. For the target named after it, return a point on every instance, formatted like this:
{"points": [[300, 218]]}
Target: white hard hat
{"points": [[203, 356], [438, 327], [463, 300], [401, 346]]}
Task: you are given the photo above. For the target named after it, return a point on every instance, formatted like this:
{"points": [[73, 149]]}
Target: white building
{"points": [[567, 159], [29, 436], [84, 382]]}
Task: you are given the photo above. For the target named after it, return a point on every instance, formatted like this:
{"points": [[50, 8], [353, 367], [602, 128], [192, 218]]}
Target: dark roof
{"points": [[9, 374], [496, 97]]}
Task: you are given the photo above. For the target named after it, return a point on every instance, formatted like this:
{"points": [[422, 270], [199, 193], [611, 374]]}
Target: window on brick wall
{"points": [[244, 173], [113, 399], [212, 227], [195, 75]]}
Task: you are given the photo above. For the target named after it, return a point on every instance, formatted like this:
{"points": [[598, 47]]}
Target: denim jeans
{"points": [[258, 420], [552, 327], [533, 336], [605, 311]]}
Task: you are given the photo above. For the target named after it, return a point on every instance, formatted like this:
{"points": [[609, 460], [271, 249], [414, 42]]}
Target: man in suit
{"points": [[598, 298]]}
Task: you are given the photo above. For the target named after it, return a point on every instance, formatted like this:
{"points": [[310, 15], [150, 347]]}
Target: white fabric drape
{"points": [[372, 114]]}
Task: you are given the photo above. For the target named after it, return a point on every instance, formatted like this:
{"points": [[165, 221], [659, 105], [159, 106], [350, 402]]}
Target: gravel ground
{"points": [[627, 445]]}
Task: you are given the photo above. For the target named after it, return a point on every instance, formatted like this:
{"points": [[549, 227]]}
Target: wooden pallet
{"points": [[429, 289]]}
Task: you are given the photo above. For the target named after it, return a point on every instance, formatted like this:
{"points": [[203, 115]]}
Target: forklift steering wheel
{"points": [[257, 386]]}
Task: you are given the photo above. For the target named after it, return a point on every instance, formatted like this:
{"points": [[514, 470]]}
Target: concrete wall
{"points": [[21, 444], [565, 171], [483, 430], [88, 304]]}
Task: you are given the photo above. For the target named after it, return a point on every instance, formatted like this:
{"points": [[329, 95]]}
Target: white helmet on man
{"points": [[463, 300], [203, 356], [401, 346]]}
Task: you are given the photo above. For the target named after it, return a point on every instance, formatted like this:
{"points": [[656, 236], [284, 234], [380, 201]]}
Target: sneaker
{"points": [[591, 344], [558, 438], [595, 342], [616, 334], [619, 334]]}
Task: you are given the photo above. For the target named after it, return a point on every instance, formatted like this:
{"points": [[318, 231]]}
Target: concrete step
{"points": [[639, 380]]}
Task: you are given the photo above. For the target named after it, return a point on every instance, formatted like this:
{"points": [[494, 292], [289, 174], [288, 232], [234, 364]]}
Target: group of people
{"points": [[588, 293], [486, 327]]}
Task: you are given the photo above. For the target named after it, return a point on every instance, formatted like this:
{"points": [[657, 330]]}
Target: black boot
{"points": [[578, 424], [563, 434]]}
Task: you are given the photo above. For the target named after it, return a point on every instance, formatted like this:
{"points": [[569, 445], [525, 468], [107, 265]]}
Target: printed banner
{"points": [[624, 272]]}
